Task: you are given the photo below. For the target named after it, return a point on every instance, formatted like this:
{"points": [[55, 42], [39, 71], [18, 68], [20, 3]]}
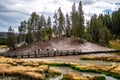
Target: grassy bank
{"points": [[115, 44]]}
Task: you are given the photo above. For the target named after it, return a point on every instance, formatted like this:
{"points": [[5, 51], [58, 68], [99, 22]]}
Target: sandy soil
{"points": [[65, 44]]}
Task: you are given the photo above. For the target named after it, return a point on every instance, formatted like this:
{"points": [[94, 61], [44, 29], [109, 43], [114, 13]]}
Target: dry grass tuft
{"points": [[34, 75], [74, 76], [53, 71]]}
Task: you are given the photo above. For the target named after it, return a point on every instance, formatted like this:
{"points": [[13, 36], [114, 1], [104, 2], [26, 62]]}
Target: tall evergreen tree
{"points": [[22, 32], [39, 27], [68, 29], [48, 29], [11, 38], [43, 25], [55, 24], [106, 20], [61, 22], [33, 25], [116, 22], [98, 31], [43, 21], [93, 28], [74, 20], [77, 18], [49, 21], [29, 38], [80, 29]]}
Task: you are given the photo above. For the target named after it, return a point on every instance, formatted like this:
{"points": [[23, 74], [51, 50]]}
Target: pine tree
{"points": [[77, 19], [68, 29], [29, 38], [80, 28], [55, 24], [48, 29], [43, 34], [43, 28], [43, 21], [116, 23], [49, 21], [11, 38], [98, 31], [33, 26], [61, 22], [22, 31], [93, 28], [74, 20]]}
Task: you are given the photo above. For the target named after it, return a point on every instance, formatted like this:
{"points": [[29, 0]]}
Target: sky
{"points": [[12, 12]]}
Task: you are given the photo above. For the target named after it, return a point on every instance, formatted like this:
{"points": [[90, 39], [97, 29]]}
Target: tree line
{"points": [[102, 28], [99, 29]]}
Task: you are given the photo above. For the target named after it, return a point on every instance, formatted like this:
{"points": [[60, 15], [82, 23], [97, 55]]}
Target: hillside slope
{"points": [[62, 44]]}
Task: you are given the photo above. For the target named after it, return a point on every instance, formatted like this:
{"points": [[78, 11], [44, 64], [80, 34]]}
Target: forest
{"points": [[99, 29]]}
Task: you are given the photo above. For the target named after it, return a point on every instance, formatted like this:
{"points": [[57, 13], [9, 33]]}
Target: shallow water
{"points": [[67, 69]]}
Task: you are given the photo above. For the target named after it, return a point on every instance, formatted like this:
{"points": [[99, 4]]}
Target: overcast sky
{"points": [[12, 12]]}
